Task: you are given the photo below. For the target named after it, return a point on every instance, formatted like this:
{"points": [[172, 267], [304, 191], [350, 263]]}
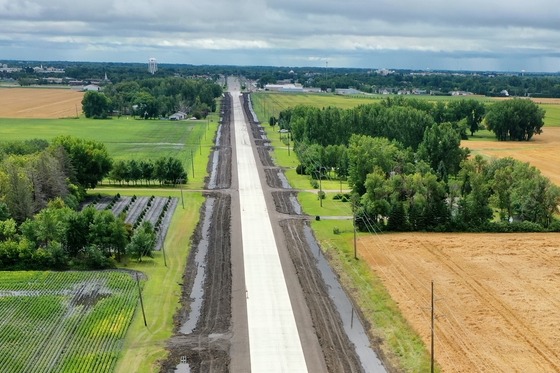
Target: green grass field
{"points": [[64, 321], [145, 346], [271, 103], [127, 138]]}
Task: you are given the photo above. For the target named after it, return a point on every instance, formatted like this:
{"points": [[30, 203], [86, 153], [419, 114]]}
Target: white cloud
{"points": [[405, 33]]}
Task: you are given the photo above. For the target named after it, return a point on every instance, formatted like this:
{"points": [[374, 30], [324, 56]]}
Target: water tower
{"points": [[152, 65]]}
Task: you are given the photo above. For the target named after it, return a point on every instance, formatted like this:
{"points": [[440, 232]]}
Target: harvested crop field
{"points": [[496, 296], [40, 103], [541, 152]]}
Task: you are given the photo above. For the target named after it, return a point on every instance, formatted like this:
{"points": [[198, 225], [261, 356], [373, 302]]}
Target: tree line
{"points": [[41, 187], [165, 170], [59, 237], [153, 98], [439, 83], [404, 162]]}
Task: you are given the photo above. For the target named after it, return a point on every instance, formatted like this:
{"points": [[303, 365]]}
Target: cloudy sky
{"points": [[499, 35]]}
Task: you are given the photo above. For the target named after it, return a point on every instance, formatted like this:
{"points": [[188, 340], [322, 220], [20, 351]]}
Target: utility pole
{"points": [[432, 341], [192, 163], [354, 226], [141, 301], [320, 187], [180, 181], [163, 251]]}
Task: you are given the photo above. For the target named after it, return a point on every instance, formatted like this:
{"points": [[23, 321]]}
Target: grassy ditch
{"points": [[144, 346]]}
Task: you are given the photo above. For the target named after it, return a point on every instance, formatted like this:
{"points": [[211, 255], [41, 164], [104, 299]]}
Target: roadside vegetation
{"points": [[408, 172], [370, 172]]}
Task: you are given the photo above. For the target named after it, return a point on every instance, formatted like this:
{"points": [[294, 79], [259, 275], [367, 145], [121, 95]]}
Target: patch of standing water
{"points": [[183, 368], [219, 135], [197, 292], [350, 320], [295, 204], [214, 172], [284, 180]]}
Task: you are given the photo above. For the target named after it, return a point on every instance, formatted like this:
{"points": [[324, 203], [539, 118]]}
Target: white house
{"points": [[178, 116], [91, 87]]}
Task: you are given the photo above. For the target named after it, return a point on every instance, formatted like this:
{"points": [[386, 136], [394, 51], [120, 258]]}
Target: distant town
{"points": [[342, 81]]}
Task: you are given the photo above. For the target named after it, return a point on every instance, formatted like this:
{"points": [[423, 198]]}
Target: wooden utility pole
{"points": [[432, 339], [320, 186], [355, 240], [163, 251], [192, 163], [180, 181], [141, 301]]}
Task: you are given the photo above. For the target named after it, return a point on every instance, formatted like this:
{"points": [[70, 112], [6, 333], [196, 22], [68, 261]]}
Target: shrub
{"points": [[343, 197]]}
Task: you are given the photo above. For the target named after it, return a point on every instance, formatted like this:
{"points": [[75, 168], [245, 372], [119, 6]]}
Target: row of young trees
{"points": [[153, 98], [165, 170], [409, 172]]}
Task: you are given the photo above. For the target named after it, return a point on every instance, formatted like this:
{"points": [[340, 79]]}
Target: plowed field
{"points": [[541, 152], [496, 296], [40, 103]]}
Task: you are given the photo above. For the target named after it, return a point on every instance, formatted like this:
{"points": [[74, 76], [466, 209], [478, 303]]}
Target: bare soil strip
{"points": [[207, 348], [283, 202], [337, 348]]}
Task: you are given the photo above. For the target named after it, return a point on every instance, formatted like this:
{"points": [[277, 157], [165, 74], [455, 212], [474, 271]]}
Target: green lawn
{"points": [[552, 116], [128, 138]]}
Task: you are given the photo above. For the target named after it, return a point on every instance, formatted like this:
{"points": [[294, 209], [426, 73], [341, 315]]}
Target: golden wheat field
{"points": [[40, 103], [497, 303], [543, 151]]}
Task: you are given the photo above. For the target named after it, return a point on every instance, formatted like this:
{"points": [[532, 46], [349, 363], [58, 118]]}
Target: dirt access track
{"points": [[40, 103], [497, 303]]}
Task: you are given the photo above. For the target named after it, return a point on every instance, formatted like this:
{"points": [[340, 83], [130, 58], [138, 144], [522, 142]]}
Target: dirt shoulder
{"points": [[206, 348]]}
